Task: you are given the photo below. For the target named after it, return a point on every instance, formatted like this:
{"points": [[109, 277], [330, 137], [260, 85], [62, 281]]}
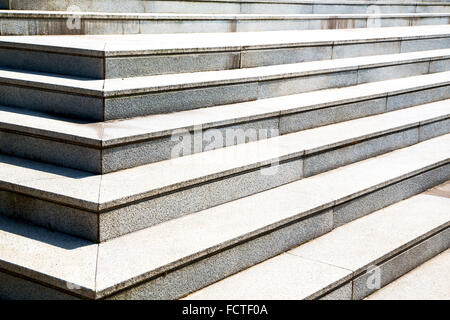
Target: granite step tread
{"points": [[118, 132], [126, 56], [99, 270], [29, 22], [144, 44], [166, 82], [94, 192], [339, 257], [429, 281]]}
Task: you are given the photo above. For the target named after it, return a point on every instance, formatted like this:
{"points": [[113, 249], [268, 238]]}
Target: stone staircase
{"points": [[283, 162], [180, 16]]}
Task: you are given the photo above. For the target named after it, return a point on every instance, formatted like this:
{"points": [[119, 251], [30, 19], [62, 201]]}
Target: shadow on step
{"points": [[44, 168], [30, 231], [37, 114]]}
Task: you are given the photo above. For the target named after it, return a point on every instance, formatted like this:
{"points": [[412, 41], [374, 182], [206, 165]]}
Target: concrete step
{"points": [[430, 281], [102, 207], [104, 147], [173, 259], [351, 261], [17, 22], [126, 56], [111, 99], [230, 6]]}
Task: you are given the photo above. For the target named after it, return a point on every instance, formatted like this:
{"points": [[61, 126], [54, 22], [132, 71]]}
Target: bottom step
{"points": [[356, 259], [430, 281]]}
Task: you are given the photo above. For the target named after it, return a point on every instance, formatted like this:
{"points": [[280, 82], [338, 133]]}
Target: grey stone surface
{"points": [[141, 153], [434, 129], [338, 248], [36, 149], [440, 7], [270, 8], [392, 72], [172, 101], [50, 62], [132, 55], [329, 115], [49, 258], [64, 103], [440, 65], [403, 263], [139, 141], [50, 215], [151, 194], [273, 88], [358, 246], [54, 23], [284, 277], [361, 206], [426, 282], [112, 98], [16, 288], [276, 217], [424, 44], [429, 21], [120, 67], [181, 282], [266, 7], [400, 101], [342, 293], [350, 157], [341, 51], [357, 151], [256, 58], [196, 198]]}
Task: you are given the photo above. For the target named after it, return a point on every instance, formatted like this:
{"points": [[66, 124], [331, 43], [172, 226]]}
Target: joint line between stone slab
{"points": [[318, 261]]}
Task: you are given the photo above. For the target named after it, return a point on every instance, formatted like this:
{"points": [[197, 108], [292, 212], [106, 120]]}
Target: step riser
{"points": [[144, 65], [193, 277], [88, 26], [98, 161], [426, 282], [142, 104], [403, 263], [393, 268], [218, 7], [147, 212]]}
